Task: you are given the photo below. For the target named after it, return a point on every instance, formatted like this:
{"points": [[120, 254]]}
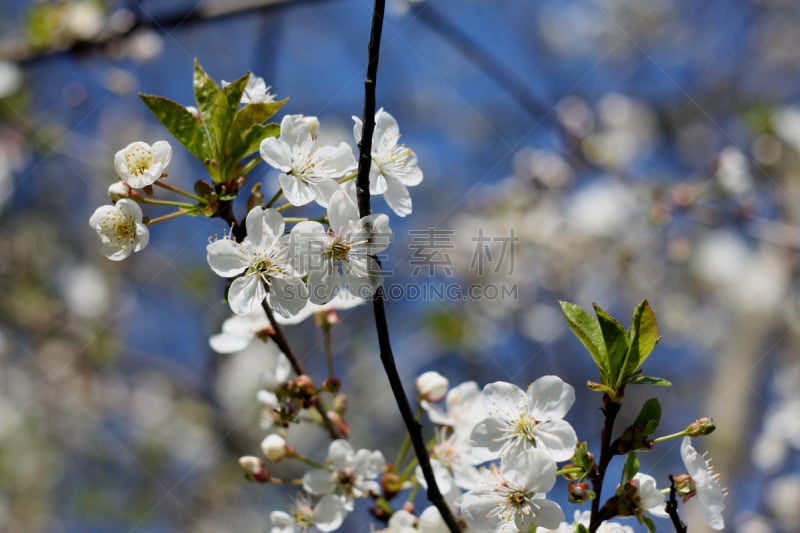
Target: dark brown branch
{"points": [[672, 508], [297, 366], [610, 411], [381, 325]]}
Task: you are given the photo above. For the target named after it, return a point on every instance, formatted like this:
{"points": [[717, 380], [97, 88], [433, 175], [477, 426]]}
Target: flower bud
{"points": [[254, 468], [701, 426], [119, 190], [432, 386], [579, 492], [274, 447]]}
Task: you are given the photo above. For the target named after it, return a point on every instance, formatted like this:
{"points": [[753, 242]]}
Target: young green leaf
{"points": [[643, 335], [208, 96], [616, 341], [649, 380], [180, 122], [248, 128], [631, 467], [648, 522], [649, 417], [250, 140], [587, 329]]}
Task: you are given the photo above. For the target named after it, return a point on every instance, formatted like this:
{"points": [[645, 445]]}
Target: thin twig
{"points": [[387, 357], [283, 345]]}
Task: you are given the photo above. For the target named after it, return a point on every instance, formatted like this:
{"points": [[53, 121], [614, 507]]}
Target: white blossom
{"points": [[327, 515], [263, 258], [650, 498], [513, 498], [239, 331], [394, 166], [140, 164], [343, 300], [432, 386], [521, 420], [120, 229], [464, 409], [351, 475], [341, 258], [708, 490], [308, 170]]}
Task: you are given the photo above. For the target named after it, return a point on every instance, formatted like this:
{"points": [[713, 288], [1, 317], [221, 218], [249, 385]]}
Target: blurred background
{"points": [[598, 150]]}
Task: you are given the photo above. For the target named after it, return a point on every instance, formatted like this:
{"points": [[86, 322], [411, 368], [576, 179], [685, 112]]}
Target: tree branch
{"points": [[672, 508]]}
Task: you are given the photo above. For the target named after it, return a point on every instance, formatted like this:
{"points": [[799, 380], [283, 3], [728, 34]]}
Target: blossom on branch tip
{"points": [[140, 164], [342, 257], [309, 171], [264, 260], [256, 91], [120, 229], [394, 167]]}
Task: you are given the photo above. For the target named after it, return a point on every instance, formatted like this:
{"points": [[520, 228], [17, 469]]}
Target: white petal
{"points": [[503, 398], [130, 208], [162, 152], [558, 438], [246, 294], [142, 237], [323, 285], [397, 197], [287, 296], [341, 211], [297, 192], [338, 161], [276, 153], [226, 258], [329, 513], [550, 397], [319, 482], [357, 128], [295, 128], [548, 514], [368, 463], [535, 469], [340, 454], [488, 434], [306, 246], [325, 188]]}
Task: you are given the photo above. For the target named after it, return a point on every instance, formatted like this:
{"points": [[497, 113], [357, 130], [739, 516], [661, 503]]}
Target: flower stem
{"points": [[250, 166], [349, 177], [154, 201], [275, 198], [569, 470], [168, 216], [310, 462], [176, 190], [610, 410], [668, 437]]}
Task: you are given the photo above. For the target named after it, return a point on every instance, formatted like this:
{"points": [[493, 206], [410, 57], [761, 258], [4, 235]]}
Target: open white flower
{"points": [[239, 331], [704, 483], [327, 515], [351, 475], [341, 258], [464, 409], [513, 498], [263, 258], [649, 498], [308, 171], [140, 164], [521, 420], [394, 167], [120, 229]]}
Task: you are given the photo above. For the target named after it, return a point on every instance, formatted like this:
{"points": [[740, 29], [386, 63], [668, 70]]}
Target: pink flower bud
{"points": [[119, 190]]}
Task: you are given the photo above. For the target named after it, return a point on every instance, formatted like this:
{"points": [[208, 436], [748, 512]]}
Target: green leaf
{"points": [[599, 387], [649, 380], [649, 417], [631, 467], [642, 336], [587, 329], [616, 340], [209, 97], [180, 122], [250, 141], [580, 528]]}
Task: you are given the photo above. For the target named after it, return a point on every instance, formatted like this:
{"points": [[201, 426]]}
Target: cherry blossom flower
{"points": [[120, 229], [394, 167], [351, 475], [513, 498], [647, 498], [464, 409], [140, 164], [263, 258], [327, 515], [704, 483], [583, 517], [521, 420], [343, 300], [308, 171], [342, 256]]}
